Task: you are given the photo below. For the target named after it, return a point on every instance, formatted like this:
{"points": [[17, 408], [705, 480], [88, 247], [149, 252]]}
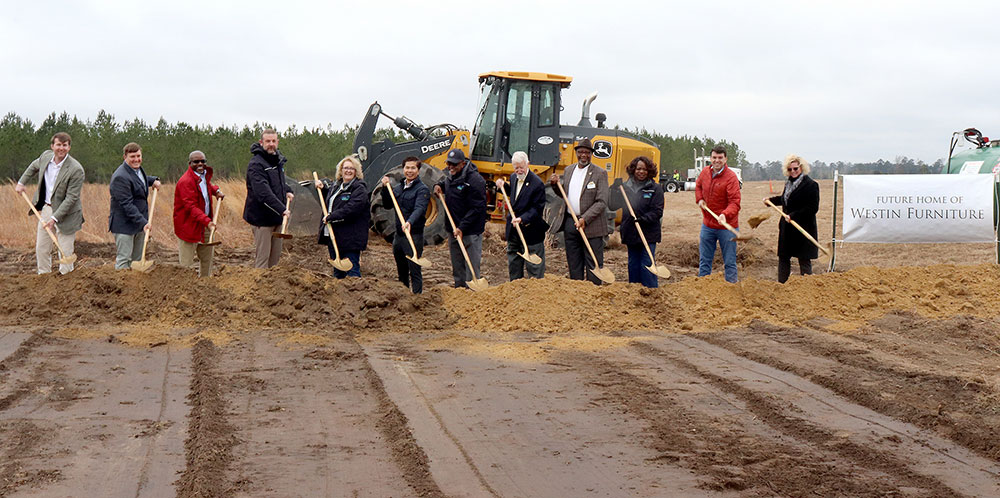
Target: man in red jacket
{"points": [[193, 212], [718, 188]]}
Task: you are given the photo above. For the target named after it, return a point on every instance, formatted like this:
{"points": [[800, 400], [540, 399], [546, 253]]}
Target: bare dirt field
{"points": [[879, 379]]}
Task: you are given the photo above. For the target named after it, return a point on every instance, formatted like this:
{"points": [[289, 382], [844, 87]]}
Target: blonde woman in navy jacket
{"points": [[347, 202]]}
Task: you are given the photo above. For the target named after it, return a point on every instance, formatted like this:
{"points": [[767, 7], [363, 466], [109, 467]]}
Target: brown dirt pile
{"points": [[238, 299], [844, 300]]}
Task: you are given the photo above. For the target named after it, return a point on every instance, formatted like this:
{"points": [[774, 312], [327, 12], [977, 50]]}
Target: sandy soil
{"points": [[874, 381]]}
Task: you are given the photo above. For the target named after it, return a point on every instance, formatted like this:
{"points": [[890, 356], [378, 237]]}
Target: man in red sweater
{"points": [[193, 212], [718, 188]]}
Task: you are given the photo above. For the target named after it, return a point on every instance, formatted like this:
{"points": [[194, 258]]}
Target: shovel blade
{"points": [[143, 266], [604, 275], [531, 258], [478, 284], [67, 260], [209, 243], [659, 271], [278, 235], [341, 264], [744, 236], [757, 219], [424, 262]]}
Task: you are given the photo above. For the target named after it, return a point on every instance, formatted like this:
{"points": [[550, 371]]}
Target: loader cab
{"points": [[518, 111]]}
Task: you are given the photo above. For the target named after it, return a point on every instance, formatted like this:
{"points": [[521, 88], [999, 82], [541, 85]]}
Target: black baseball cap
{"points": [[455, 156]]}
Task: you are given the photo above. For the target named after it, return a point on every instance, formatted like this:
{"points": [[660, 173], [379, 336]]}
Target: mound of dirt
{"points": [[844, 301], [239, 299]]}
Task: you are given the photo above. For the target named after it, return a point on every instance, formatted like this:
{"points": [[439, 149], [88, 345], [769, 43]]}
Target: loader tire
{"points": [[384, 219]]}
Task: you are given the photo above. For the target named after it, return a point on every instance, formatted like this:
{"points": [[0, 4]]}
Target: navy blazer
{"points": [[413, 202], [529, 206], [129, 208]]}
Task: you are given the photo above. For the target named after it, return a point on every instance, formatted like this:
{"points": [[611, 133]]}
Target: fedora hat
{"points": [[584, 144]]}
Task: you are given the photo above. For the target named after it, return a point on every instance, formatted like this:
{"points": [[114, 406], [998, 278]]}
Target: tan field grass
{"points": [[17, 228]]}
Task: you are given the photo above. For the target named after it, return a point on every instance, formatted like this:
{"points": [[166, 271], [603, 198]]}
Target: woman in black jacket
{"points": [[413, 197], [646, 197], [347, 202], [800, 202]]}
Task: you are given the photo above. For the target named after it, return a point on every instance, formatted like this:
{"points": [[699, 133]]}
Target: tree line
{"points": [[97, 144]]}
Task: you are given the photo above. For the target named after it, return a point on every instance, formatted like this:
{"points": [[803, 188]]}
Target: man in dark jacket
{"points": [[526, 192], [193, 213], [267, 198], [465, 194], [413, 198], [129, 218], [586, 187]]}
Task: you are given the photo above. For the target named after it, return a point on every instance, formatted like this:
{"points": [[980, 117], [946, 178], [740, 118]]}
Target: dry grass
{"points": [[681, 224], [18, 230]]}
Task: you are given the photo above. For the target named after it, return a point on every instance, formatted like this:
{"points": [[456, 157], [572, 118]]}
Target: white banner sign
{"points": [[918, 208]]}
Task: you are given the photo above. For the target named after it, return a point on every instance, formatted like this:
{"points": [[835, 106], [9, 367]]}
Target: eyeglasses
{"points": [[199, 161], [796, 168]]}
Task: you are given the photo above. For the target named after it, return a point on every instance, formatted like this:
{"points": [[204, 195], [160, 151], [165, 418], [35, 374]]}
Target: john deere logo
{"points": [[603, 149]]}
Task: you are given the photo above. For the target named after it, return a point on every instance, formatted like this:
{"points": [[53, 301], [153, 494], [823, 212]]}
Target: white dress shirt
{"points": [[576, 184], [51, 172]]}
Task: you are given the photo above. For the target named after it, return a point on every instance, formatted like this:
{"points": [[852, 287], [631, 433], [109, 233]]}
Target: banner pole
{"points": [[833, 238], [996, 212]]}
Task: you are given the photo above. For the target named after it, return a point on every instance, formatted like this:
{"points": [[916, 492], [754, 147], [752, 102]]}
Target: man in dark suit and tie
{"points": [[129, 219], [526, 192], [60, 182], [586, 187]]}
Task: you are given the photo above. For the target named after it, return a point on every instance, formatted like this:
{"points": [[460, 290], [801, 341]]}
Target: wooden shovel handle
{"points": [[723, 223], [461, 244], [402, 220], [215, 220], [149, 221], [329, 228], [799, 227], [517, 226]]}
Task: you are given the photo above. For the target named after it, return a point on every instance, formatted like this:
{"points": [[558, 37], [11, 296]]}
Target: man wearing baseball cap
{"points": [[464, 191], [586, 188]]}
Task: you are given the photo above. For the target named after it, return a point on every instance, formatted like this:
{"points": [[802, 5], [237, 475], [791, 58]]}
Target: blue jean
{"points": [[353, 257], [706, 251], [638, 260]]}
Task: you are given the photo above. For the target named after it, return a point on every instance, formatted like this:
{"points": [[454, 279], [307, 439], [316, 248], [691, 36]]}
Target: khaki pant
{"points": [[128, 248], [266, 247], [44, 246], [187, 251]]}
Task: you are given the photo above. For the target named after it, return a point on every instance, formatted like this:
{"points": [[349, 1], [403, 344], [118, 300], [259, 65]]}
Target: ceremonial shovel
{"points": [[339, 263], [729, 227], [659, 271], [284, 222], [825, 249], [476, 284], [211, 233], [531, 258], [63, 259], [420, 261], [143, 265], [603, 274]]}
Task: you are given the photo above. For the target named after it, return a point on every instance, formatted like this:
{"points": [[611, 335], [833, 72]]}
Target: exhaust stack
{"points": [[585, 117]]}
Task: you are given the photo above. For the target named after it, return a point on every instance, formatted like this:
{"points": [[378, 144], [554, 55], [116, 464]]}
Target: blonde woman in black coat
{"points": [[800, 202]]}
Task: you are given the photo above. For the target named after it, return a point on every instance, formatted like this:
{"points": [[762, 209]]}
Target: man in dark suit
{"points": [[129, 219], [526, 192], [586, 187], [60, 182]]}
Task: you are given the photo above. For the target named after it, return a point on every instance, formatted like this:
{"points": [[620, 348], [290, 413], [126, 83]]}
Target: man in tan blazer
{"points": [[60, 182], [586, 187]]}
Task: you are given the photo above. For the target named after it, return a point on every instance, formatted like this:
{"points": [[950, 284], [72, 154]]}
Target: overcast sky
{"points": [[843, 80]]}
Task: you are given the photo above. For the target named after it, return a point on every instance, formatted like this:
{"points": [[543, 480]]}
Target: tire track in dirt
{"points": [[921, 398], [778, 418], [731, 456], [26, 437], [16, 360], [211, 438], [393, 424]]}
